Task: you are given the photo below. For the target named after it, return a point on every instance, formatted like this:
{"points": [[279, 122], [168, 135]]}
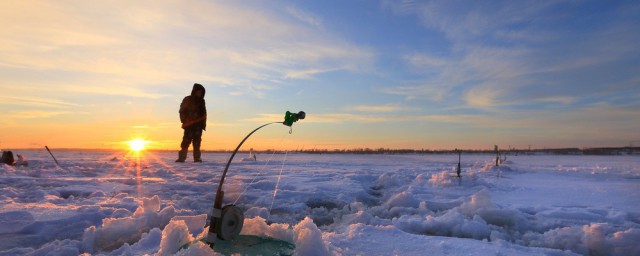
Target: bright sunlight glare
{"points": [[137, 144]]}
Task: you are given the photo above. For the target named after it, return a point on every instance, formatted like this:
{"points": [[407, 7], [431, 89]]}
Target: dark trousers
{"points": [[191, 134]]}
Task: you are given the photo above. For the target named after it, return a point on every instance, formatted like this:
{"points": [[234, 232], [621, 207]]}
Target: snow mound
{"points": [[449, 179], [472, 219], [257, 211], [14, 221], [403, 199], [148, 244], [442, 179], [489, 167], [388, 180], [592, 239], [451, 224], [168, 241], [114, 232], [248, 160], [308, 239], [482, 206], [258, 226]]}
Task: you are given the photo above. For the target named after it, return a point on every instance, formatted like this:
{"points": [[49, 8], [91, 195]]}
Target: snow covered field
{"points": [[109, 204]]}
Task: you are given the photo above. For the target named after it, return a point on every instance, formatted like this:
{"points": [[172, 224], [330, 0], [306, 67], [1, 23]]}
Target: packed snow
{"points": [[106, 203]]}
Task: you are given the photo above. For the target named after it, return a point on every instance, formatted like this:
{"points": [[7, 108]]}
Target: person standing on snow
{"points": [[193, 115]]}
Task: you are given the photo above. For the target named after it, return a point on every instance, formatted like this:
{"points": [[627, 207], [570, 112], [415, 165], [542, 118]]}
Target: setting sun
{"points": [[137, 144]]}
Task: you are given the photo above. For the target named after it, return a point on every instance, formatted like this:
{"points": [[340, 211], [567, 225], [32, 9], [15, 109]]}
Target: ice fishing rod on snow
{"points": [[54, 158], [226, 222]]}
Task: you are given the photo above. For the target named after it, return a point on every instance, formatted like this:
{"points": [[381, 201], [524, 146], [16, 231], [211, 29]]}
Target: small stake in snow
{"points": [[459, 157], [226, 222], [495, 147], [54, 158]]}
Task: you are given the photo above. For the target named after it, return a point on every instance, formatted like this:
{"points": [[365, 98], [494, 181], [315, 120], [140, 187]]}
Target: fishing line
{"points": [[246, 187], [254, 178], [275, 190]]}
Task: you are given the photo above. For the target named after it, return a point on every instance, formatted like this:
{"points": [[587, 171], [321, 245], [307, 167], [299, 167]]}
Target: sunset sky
{"points": [[393, 74]]}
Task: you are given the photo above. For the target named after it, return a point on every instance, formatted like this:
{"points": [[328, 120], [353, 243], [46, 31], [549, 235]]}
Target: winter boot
{"points": [[196, 156], [182, 156]]}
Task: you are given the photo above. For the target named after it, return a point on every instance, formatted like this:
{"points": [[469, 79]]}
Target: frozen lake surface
{"points": [[105, 203]]}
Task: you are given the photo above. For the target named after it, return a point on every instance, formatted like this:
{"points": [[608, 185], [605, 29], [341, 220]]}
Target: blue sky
{"points": [[397, 74]]}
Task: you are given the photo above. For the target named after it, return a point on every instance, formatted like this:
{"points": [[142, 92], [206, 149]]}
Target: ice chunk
{"points": [[258, 226], [308, 239], [97, 193], [403, 199], [194, 223], [116, 231], [442, 179], [148, 205], [257, 211], [174, 235]]}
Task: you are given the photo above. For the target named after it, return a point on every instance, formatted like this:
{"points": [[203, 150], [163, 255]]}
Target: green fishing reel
{"points": [[290, 118]]}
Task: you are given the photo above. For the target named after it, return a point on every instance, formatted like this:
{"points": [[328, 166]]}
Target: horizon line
{"points": [[353, 149]]}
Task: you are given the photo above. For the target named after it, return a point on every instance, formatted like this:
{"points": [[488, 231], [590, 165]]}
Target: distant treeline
{"points": [[552, 151], [512, 151]]}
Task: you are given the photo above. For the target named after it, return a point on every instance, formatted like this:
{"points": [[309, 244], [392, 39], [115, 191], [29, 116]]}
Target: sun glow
{"points": [[137, 144]]}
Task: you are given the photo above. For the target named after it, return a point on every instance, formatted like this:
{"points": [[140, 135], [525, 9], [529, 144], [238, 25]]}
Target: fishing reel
{"points": [[290, 118], [227, 225], [226, 222]]}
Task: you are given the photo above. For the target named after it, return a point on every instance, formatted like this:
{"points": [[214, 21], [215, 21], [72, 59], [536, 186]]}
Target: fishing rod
{"points": [[54, 158], [226, 222]]}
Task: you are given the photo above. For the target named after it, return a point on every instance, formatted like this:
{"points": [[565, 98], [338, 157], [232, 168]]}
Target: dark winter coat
{"points": [[7, 158], [193, 111]]}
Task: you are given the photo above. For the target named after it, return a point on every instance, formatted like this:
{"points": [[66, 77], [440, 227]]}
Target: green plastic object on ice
{"points": [[290, 118]]}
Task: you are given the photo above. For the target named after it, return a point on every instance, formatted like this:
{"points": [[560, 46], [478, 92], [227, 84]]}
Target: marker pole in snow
{"points": [[226, 222], [495, 147], [54, 158], [459, 158]]}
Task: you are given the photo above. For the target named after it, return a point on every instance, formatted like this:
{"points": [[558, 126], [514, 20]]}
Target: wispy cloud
{"points": [[154, 126], [120, 90], [305, 17], [376, 108], [35, 102], [483, 96], [32, 114], [422, 60], [304, 74], [560, 99], [429, 90]]}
